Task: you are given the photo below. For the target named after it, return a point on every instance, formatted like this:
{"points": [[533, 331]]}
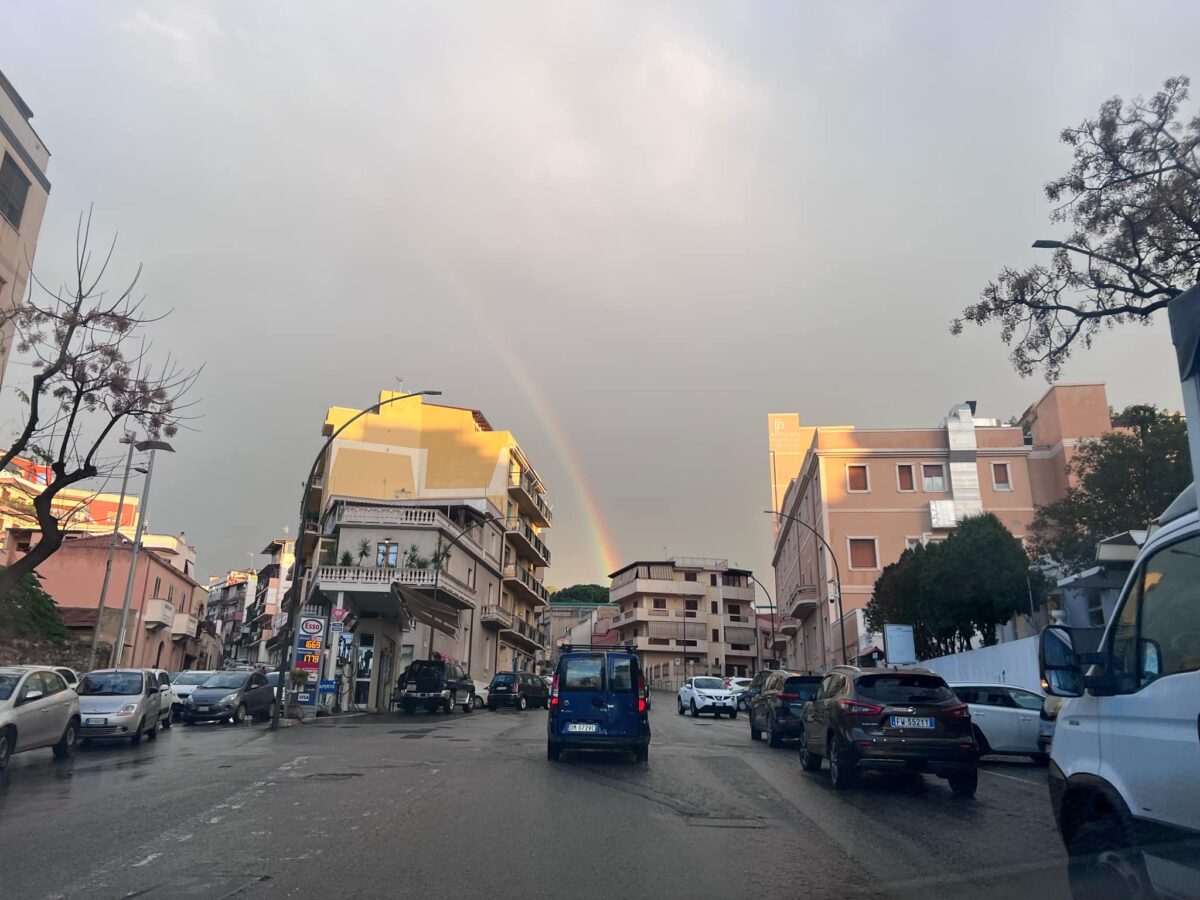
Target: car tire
{"points": [[8, 738], [152, 734], [679, 703], [733, 713], [755, 733], [239, 714], [470, 704], [167, 722], [451, 702], [409, 707], [553, 752], [840, 772], [477, 701], [980, 741], [136, 737], [964, 784], [1042, 759], [522, 703], [775, 739], [1100, 862], [695, 711], [66, 744], [642, 754], [491, 707]]}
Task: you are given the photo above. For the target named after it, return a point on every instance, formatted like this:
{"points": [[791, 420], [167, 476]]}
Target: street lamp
{"points": [[298, 567], [837, 573], [141, 447], [112, 548], [1044, 244], [772, 600]]}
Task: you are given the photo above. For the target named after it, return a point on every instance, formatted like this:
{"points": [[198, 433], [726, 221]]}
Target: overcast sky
{"points": [[676, 218]]}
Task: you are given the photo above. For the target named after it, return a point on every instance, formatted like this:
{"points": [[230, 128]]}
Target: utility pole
{"points": [[112, 549]]}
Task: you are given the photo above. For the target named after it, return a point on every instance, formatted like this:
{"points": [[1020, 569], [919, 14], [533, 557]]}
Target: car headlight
{"points": [[229, 698], [127, 710]]}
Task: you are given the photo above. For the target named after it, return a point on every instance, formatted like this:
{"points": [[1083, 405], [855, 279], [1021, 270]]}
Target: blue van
{"points": [[598, 702]]}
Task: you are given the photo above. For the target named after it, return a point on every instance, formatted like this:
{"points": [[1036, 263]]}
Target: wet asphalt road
{"points": [[468, 806]]}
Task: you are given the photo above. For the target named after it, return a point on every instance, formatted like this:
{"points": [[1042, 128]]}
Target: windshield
{"points": [[192, 677], [805, 688], [709, 684], [582, 673], [226, 680], [101, 683], [904, 689], [8, 684]]}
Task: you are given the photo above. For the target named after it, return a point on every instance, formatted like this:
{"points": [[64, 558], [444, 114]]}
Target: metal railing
{"points": [[526, 578], [515, 525]]}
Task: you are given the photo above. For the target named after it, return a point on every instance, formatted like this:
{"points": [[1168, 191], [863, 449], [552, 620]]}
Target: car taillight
{"points": [[858, 708], [554, 692], [641, 687], [957, 712], [789, 698]]}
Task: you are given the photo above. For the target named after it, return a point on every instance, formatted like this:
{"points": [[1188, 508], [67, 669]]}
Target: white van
{"points": [[1125, 762]]}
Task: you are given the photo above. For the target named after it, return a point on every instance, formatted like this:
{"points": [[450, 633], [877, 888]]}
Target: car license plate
{"points": [[911, 722], [202, 708], [584, 727], [96, 722]]}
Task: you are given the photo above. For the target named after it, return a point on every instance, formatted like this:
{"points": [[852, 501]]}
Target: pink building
{"points": [[165, 610], [870, 493]]}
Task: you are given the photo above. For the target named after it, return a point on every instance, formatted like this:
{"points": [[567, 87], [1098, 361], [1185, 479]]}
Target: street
{"points": [[467, 805]]}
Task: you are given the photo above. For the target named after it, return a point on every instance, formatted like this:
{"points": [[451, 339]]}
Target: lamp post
{"points": [[141, 446], [837, 573], [112, 549], [287, 632], [772, 600]]}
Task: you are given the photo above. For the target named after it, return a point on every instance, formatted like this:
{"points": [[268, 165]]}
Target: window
{"points": [[689, 576], [712, 580], [1000, 480], [692, 605], [862, 553], [157, 588], [933, 477], [1026, 699], [14, 187], [857, 479], [912, 543], [716, 636], [660, 602], [715, 608], [620, 674], [386, 554], [735, 609], [903, 688], [905, 481], [1156, 633], [171, 593]]}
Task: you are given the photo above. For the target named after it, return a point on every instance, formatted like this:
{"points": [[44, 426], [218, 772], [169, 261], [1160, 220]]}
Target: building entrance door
{"points": [[364, 666], [387, 659]]}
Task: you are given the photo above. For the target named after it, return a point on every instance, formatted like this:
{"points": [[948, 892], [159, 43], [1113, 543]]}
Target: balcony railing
{"points": [[522, 629], [516, 573], [789, 625], [379, 577], [496, 615], [406, 517], [525, 538], [159, 614], [184, 625], [532, 502]]}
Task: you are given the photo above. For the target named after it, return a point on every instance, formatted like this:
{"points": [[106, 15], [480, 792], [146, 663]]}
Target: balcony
{"points": [[737, 594], [802, 601], [493, 616], [159, 614], [184, 625], [524, 585], [523, 636], [778, 642], [661, 587], [643, 614], [788, 625], [741, 634], [522, 489], [643, 643], [413, 517], [526, 542], [379, 579]]}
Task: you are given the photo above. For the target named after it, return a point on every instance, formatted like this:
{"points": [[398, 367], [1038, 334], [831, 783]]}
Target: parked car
{"points": [[598, 702], [779, 704], [37, 709], [481, 693], [705, 693], [891, 720], [437, 684], [1047, 720], [754, 688], [118, 704], [1124, 772], [183, 686], [1005, 719], [70, 676], [519, 689], [739, 687], [231, 695], [168, 699]]}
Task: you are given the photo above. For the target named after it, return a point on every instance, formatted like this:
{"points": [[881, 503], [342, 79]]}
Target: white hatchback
{"points": [[37, 709], [1005, 719], [707, 694]]}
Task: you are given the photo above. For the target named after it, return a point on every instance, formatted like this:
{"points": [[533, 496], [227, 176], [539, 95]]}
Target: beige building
{"points": [[870, 493], [428, 527], [24, 190], [687, 616]]}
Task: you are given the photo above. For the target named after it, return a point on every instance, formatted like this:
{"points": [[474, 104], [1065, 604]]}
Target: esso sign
{"points": [[312, 626]]}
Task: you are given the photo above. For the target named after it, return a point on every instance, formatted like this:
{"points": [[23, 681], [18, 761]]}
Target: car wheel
{"points": [[841, 773], [239, 714], [451, 702], [775, 739], [553, 752], [1101, 864], [470, 704], [408, 707], [980, 741], [809, 761], [642, 754], [152, 734], [168, 720], [679, 703], [695, 712], [1042, 759], [965, 784], [477, 701], [136, 737], [7, 739], [491, 707], [733, 713], [522, 703], [755, 733], [66, 744]]}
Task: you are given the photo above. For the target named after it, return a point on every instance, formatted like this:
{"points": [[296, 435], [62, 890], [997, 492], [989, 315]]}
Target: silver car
{"points": [[37, 709], [119, 703]]}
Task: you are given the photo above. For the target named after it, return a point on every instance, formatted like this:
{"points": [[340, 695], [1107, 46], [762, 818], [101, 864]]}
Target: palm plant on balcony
{"points": [[364, 550]]}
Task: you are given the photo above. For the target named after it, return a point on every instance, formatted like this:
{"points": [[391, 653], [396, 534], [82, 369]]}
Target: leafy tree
{"points": [[1131, 200], [28, 611], [958, 591], [1122, 480], [91, 382], [581, 593]]}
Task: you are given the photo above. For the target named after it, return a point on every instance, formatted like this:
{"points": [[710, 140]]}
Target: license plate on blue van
{"points": [[582, 727]]}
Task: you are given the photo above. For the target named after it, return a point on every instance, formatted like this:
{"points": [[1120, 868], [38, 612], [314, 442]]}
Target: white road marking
{"points": [[1012, 778], [147, 860]]}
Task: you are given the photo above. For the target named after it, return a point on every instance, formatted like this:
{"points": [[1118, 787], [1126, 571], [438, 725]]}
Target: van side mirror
{"points": [[1151, 660], [1061, 671]]}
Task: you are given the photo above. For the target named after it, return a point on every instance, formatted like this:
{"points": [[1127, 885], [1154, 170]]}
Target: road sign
{"points": [[339, 613]]}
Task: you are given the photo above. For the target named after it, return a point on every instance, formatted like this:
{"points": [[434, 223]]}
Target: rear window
{"points": [[507, 678], [582, 673], [620, 674], [428, 667], [806, 688], [895, 688]]}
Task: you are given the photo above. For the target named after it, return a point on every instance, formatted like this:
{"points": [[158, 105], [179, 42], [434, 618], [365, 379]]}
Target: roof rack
{"points": [[628, 645]]}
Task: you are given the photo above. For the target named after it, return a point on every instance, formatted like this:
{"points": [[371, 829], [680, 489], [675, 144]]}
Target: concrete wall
{"points": [[1012, 663]]}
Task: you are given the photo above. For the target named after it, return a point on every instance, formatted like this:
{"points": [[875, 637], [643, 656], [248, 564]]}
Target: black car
{"points": [[777, 706], [519, 689], [904, 720], [436, 684]]}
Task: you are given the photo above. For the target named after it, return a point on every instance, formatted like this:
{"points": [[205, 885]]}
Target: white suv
{"points": [[1125, 762]]}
